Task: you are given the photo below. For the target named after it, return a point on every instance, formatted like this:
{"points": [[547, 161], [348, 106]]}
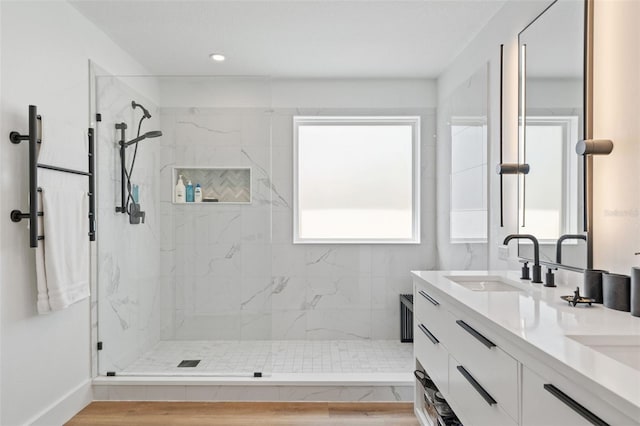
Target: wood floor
{"points": [[245, 413]]}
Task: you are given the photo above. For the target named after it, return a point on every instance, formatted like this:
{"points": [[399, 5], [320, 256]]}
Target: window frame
{"points": [[413, 121]]}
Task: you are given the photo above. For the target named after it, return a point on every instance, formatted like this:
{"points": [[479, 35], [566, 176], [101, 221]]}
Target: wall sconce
{"points": [[594, 147], [513, 169]]}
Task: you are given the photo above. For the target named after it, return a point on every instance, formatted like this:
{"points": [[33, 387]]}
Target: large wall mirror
{"points": [[552, 105]]}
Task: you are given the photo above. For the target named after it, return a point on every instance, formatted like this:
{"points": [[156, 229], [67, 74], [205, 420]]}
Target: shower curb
{"points": [[294, 387]]}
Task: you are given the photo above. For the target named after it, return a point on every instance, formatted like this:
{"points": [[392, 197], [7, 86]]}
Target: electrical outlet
{"points": [[503, 252]]}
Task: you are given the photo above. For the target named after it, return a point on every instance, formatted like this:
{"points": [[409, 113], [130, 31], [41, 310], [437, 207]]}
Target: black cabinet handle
{"points": [[571, 403], [483, 393], [429, 298], [472, 331], [431, 337]]}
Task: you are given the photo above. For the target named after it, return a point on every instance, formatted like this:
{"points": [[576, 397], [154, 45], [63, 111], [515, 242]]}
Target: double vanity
{"points": [[504, 351]]}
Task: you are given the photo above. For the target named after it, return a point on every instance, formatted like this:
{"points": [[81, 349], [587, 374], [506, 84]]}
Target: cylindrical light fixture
{"points": [[594, 147], [512, 169]]}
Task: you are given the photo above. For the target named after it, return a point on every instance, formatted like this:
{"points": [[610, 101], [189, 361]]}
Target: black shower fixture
{"points": [[151, 134], [127, 202], [145, 111]]}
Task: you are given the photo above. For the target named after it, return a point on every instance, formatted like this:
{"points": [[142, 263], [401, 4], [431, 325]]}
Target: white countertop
{"points": [[539, 318]]}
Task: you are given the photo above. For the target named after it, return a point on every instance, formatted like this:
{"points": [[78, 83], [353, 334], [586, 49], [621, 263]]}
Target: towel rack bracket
{"points": [[16, 137], [17, 215]]}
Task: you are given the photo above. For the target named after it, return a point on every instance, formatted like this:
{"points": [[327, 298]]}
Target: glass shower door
{"points": [[189, 292]]}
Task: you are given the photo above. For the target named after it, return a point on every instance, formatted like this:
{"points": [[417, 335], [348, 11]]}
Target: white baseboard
{"points": [[66, 407]]}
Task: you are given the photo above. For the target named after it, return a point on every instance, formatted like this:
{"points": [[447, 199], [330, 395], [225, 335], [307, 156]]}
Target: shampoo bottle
{"points": [[190, 195], [180, 191], [198, 194]]}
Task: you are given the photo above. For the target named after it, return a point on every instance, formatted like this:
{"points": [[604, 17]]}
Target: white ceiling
{"points": [[303, 38], [554, 42]]}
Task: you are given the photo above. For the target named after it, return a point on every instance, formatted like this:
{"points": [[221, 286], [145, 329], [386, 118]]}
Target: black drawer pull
{"points": [[428, 334], [472, 331], [571, 403], [429, 298], [483, 393]]}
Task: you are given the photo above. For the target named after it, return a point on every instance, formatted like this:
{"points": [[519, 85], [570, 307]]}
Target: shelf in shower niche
{"points": [[226, 185]]}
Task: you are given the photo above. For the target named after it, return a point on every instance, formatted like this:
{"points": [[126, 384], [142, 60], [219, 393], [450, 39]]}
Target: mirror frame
{"points": [[587, 132]]}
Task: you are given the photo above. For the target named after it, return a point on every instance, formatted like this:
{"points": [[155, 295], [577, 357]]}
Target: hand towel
{"points": [[64, 252], [41, 276]]}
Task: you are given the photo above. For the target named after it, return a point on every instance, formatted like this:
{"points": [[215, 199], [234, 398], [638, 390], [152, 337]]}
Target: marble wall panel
{"points": [[236, 271]]}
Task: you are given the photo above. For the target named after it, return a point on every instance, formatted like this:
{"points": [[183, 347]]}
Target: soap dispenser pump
{"points": [[525, 271], [550, 279]]}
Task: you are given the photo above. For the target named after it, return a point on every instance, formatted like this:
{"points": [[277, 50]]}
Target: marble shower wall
{"points": [[128, 255], [231, 271]]}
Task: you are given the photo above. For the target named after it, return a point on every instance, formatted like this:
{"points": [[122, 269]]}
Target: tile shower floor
{"points": [[226, 357]]}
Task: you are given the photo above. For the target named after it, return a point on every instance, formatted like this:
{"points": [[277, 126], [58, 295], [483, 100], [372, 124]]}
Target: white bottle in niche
{"points": [[180, 191], [198, 194]]}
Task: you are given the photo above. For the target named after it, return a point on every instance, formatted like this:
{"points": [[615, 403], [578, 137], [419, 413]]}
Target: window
{"points": [[468, 212], [552, 186], [356, 180]]}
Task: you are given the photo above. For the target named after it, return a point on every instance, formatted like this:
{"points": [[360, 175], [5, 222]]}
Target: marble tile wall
{"points": [[128, 255], [232, 272], [253, 392]]}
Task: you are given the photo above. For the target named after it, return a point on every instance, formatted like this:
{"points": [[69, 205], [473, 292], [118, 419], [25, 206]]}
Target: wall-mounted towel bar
{"points": [[34, 138]]}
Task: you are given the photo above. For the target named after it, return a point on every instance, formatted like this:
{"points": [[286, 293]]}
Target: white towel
{"points": [[62, 259]]}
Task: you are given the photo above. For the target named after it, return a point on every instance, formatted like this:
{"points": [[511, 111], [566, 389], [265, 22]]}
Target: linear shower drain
{"points": [[189, 363]]}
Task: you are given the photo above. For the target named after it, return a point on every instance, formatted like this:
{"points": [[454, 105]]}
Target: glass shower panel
{"points": [[189, 291]]}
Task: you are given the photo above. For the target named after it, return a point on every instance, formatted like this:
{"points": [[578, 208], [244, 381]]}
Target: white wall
{"points": [[46, 47], [616, 102], [485, 47]]}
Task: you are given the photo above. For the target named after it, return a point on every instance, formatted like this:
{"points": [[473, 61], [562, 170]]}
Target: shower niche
{"points": [[220, 185]]}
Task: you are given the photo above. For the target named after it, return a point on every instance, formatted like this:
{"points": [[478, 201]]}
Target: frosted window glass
{"points": [[544, 191], [468, 214], [356, 180]]}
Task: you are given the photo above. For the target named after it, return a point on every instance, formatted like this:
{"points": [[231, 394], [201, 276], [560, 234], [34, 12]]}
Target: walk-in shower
{"points": [[219, 289]]}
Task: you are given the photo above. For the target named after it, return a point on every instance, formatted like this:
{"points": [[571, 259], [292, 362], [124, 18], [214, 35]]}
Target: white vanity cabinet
{"points": [[492, 367], [478, 378], [471, 401], [489, 379], [553, 400], [428, 335]]}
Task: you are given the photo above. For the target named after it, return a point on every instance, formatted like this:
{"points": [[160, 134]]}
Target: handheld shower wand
{"points": [[128, 204]]}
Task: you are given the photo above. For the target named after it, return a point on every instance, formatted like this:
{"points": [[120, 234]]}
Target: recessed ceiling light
{"points": [[218, 57]]}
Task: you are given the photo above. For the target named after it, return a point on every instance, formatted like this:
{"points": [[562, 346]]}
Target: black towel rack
{"points": [[34, 138]]}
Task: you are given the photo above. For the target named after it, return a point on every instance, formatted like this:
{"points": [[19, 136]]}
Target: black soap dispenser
{"points": [[550, 280]]}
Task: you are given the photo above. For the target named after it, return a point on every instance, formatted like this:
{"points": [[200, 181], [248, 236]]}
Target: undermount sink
{"points": [[483, 283], [624, 349]]}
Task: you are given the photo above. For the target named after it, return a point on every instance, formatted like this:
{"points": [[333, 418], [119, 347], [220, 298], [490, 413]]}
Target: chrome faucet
{"points": [[536, 269], [566, 237]]}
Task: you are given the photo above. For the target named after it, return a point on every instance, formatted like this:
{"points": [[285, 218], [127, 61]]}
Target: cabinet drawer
{"points": [[555, 401], [490, 365], [428, 310], [471, 401], [432, 355]]}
